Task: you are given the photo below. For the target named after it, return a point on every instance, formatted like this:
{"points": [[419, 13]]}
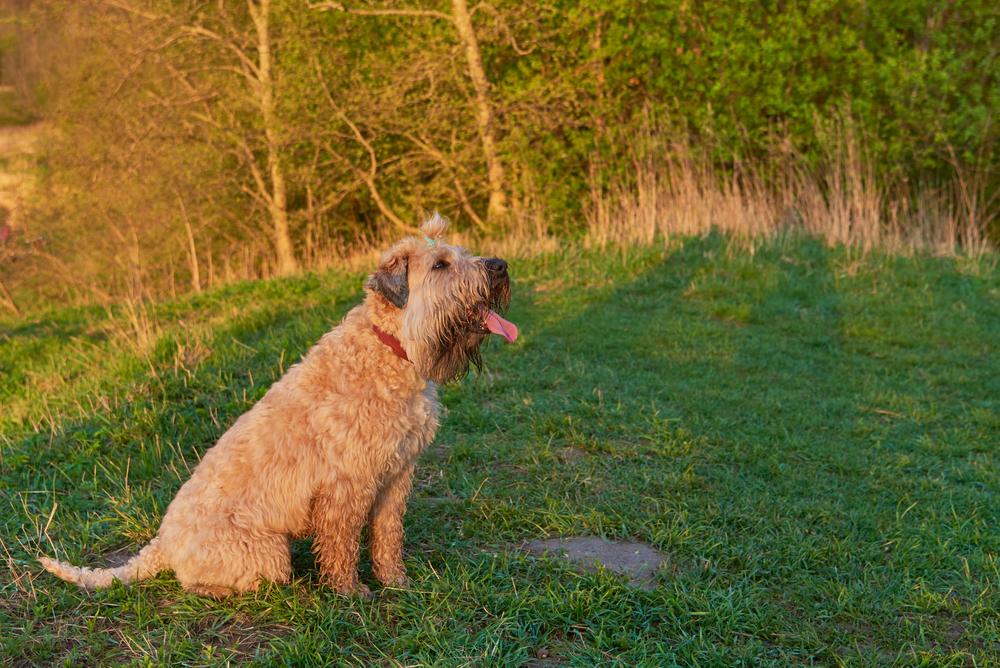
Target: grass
{"points": [[810, 435], [675, 189]]}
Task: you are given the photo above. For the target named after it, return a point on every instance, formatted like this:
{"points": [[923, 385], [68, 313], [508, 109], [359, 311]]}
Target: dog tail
{"points": [[144, 565]]}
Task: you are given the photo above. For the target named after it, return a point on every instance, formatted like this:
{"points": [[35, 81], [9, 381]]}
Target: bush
{"points": [[376, 118]]}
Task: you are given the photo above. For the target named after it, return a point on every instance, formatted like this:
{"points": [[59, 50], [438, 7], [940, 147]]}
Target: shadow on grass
{"points": [[728, 413]]}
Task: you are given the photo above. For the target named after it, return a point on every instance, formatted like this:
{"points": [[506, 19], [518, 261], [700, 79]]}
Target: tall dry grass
{"points": [[672, 188], [675, 189]]}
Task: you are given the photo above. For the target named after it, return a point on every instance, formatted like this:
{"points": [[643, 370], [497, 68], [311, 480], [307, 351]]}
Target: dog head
{"points": [[444, 301]]}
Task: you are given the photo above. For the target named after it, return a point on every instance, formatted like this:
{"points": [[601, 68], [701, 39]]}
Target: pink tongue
{"points": [[498, 325]]}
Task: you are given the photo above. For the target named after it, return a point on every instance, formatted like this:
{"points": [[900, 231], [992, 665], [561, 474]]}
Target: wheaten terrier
{"points": [[332, 444]]}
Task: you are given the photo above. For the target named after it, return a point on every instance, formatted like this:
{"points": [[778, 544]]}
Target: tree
{"points": [[461, 20], [262, 78], [233, 55]]}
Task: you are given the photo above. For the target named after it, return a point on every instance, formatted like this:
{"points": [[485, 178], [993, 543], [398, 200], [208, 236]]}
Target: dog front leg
{"points": [[338, 515], [387, 529]]}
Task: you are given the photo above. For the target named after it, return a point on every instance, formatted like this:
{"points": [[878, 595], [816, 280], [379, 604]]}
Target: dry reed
{"points": [[676, 190]]}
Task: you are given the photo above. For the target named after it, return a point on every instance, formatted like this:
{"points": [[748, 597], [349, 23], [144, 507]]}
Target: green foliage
{"points": [[375, 120], [808, 434], [920, 78]]}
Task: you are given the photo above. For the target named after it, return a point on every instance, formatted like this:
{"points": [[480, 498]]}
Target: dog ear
{"points": [[390, 280]]}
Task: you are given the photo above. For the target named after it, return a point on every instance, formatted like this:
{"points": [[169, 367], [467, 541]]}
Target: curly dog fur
{"points": [[332, 444]]}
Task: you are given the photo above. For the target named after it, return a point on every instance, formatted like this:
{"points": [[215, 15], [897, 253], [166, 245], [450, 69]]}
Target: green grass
{"points": [[810, 436]]}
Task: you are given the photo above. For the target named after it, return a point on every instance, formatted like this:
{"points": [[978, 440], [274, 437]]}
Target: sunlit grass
{"points": [[808, 434]]}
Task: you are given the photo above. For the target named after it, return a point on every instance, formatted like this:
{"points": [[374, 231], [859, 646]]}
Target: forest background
{"points": [[179, 144]]}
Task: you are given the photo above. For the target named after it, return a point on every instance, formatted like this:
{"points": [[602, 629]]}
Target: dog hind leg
{"points": [[236, 565]]}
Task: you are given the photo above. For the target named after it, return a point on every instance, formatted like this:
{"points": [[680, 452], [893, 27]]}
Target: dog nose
{"points": [[497, 265]]}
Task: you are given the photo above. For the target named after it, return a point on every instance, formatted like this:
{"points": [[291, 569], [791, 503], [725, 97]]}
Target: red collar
{"points": [[391, 341]]}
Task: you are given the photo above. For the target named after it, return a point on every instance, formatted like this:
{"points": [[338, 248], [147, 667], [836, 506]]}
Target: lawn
{"points": [[808, 435]]}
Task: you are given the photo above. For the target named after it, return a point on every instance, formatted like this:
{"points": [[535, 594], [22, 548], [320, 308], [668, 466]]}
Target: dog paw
{"points": [[211, 591], [396, 582], [356, 590]]}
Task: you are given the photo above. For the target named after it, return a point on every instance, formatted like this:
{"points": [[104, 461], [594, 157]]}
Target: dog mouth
{"points": [[487, 314], [497, 324], [487, 321]]}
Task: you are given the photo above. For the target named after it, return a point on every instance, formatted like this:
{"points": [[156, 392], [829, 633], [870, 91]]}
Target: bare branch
{"points": [[504, 27], [125, 7], [340, 7], [449, 166], [368, 178], [373, 161], [376, 195], [200, 31]]}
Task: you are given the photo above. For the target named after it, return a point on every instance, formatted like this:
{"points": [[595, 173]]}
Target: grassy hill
{"points": [[809, 435]]}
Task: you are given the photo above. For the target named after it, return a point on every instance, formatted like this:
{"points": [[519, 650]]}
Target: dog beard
{"points": [[455, 345]]}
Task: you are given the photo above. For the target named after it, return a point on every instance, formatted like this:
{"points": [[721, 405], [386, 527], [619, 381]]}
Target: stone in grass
{"points": [[638, 561]]}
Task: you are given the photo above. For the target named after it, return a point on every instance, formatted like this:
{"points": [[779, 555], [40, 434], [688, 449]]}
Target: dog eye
{"points": [[440, 264]]}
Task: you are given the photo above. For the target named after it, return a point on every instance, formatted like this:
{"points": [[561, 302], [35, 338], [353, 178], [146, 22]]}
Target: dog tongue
{"points": [[498, 325]]}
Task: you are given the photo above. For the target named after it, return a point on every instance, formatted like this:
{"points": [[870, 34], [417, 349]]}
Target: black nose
{"points": [[496, 265]]}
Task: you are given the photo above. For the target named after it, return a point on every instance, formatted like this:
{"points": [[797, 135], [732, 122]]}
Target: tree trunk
{"points": [[192, 249], [260, 12], [497, 208], [193, 258]]}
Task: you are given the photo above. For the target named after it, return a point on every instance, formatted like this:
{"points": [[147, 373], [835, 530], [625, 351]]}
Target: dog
{"points": [[332, 445]]}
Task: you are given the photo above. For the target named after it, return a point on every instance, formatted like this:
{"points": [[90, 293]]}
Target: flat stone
{"points": [[637, 561], [572, 454]]}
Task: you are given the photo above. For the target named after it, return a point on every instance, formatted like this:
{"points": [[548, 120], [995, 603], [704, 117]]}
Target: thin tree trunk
{"points": [[260, 12], [192, 248], [485, 120]]}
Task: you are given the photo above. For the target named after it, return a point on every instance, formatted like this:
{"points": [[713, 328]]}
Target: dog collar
{"points": [[391, 341]]}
